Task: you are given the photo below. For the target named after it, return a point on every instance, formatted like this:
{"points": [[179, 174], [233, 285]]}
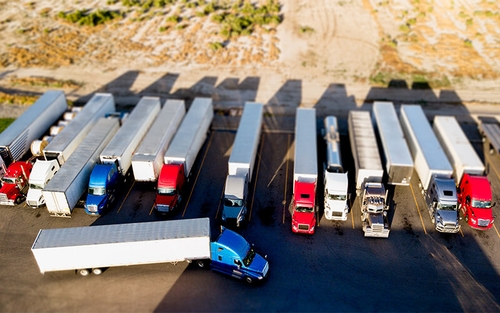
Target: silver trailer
{"points": [[241, 163], [457, 147], [191, 134], [395, 151], [63, 192], [148, 158], [364, 149], [332, 138], [122, 146], [92, 248], [16, 140], [63, 145], [490, 133]]}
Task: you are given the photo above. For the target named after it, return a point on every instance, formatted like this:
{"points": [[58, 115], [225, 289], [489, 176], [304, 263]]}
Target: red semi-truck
{"points": [[15, 183], [181, 154], [303, 207]]}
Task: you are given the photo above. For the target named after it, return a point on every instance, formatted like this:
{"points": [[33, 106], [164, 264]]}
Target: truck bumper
{"points": [[447, 229]]}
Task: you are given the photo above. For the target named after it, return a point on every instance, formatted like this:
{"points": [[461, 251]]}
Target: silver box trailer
{"points": [[428, 155], [122, 146], [16, 140], [67, 187], [395, 151], [148, 158], [65, 143], [305, 168], [96, 247], [457, 147], [191, 134], [364, 148]]}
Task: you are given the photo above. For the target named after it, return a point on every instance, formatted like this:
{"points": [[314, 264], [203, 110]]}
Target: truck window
{"points": [[233, 202], [303, 209], [166, 191], [249, 257]]}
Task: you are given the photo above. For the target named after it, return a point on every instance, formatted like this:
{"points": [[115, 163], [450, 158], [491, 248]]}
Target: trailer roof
{"points": [[396, 149], [306, 161], [492, 132], [333, 156], [365, 150], [30, 115], [423, 134], [247, 136], [118, 233]]}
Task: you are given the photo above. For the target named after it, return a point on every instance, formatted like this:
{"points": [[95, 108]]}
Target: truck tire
{"points": [[467, 218], [200, 263], [96, 271], [84, 272], [19, 199], [249, 279]]}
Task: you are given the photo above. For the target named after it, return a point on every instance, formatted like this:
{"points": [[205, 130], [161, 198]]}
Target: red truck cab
{"points": [[15, 183], [475, 201], [170, 183], [303, 208]]}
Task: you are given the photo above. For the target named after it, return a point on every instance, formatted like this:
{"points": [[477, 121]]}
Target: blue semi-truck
{"points": [[90, 249]]}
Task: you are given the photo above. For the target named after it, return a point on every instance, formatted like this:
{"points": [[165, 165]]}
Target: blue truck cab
{"points": [[231, 254], [102, 186]]}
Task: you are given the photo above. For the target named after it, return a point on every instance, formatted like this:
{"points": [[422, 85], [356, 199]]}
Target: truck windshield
{"points": [[97, 191], [9, 180], [166, 191], [304, 209], [36, 186], [447, 207], [249, 257], [337, 197], [481, 204], [233, 202]]}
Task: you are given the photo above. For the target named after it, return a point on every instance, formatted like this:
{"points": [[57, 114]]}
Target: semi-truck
{"points": [[336, 180], [474, 194], [369, 174], [395, 152], [116, 158], [148, 158], [16, 139], [92, 249], [65, 189], [182, 153], [62, 146], [433, 169], [303, 207], [241, 164], [15, 183]]}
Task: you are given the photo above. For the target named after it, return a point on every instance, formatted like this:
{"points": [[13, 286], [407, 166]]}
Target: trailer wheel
{"points": [[19, 199], [200, 263], [84, 272], [96, 271], [249, 279]]}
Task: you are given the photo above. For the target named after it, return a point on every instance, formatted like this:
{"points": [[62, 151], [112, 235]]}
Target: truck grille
{"points": [[377, 228], [335, 213], [448, 228], [92, 208], [483, 222], [303, 227]]}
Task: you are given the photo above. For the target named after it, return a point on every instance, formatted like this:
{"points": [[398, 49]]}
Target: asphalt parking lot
{"points": [[336, 269]]}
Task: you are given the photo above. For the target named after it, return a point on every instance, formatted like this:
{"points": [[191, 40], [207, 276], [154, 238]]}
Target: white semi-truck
{"points": [[16, 139], [65, 189], [64, 144], [433, 169], [336, 180], [241, 164], [91, 249], [369, 175], [395, 152], [148, 158]]}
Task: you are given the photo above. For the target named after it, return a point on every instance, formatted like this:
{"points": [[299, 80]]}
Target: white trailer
{"points": [[65, 143], [15, 141], [67, 187], [364, 149], [305, 167], [457, 147], [96, 247], [191, 134], [148, 159], [395, 151], [122, 146], [241, 163]]}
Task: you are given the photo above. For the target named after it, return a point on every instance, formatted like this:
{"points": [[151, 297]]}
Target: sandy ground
{"points": [[323, 50]]}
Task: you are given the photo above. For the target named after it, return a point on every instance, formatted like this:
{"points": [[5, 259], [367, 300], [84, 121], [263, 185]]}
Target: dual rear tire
{"points": [[86, 271]]}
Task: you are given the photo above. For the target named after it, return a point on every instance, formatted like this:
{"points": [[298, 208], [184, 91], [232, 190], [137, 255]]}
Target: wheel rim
{"points": [[249, 280], [97, 271], [201, 264], [84, 272]]}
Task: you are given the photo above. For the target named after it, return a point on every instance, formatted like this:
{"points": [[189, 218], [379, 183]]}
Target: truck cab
{"points": [[102, 187], [170, 183], [303, 208], [336, 184], [235, 200], [441, 200], [474, 198], [374, 210], [15, 183], [41, 174], [231, 254]]}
